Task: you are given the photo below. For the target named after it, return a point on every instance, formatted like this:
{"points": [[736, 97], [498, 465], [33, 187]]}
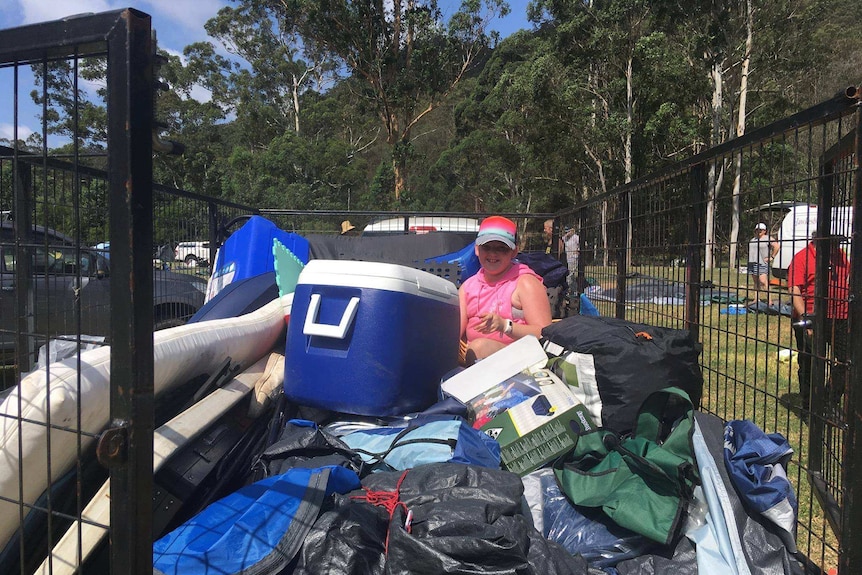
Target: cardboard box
{"points": [[533, 416]]}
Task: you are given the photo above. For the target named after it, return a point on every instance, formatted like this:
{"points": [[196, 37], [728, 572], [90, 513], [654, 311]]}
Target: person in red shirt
{"points": [[800, 283]]}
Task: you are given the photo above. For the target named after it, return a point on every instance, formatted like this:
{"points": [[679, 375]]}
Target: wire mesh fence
{"points": [[89, 268], [683, 249]]}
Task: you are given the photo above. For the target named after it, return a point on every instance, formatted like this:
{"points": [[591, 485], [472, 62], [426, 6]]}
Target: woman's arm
{"points": [[531, 296], [462, 300]]}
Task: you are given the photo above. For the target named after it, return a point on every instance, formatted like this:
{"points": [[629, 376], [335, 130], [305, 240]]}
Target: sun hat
{"points": [[346, 226], [760, 226], [496, 229]]}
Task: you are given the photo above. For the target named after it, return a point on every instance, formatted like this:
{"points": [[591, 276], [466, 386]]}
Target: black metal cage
{"points": [[79, 213]]}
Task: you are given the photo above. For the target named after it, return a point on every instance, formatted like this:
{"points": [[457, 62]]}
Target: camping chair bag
{"points": [[624, 362], [645, 481]]}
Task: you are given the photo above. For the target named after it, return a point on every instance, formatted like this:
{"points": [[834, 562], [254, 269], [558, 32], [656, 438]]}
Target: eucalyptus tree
{"points": [[629, 91], [515, 148], [72, 94], [277, 70], [406, 56], [194, 111]]}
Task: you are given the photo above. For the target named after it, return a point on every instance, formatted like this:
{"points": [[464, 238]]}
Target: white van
{"points": [[422, 225], [798, 222]]}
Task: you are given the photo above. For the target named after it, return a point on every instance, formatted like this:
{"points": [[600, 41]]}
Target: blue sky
{"points": [[177, 24]]}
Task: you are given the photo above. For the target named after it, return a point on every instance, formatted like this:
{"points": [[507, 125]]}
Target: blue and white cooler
{"points": [[370, 338]]}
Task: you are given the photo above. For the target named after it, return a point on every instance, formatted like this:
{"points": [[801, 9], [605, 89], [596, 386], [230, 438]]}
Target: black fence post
{"points": [[127, 446], [581, 275], [696, 236], [23, 214], [212, 210], [850, 552], [817, 426], [623, 215]]}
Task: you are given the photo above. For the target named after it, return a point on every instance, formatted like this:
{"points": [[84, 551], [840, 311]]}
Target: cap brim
{"points": [[485, 238]]}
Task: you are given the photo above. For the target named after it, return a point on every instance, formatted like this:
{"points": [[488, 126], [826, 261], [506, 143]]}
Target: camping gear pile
{"points": [[579, 453], [365, 448]]}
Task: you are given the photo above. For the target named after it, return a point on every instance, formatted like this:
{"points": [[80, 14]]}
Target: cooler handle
{"points": [[444, 293], [311, 326]]}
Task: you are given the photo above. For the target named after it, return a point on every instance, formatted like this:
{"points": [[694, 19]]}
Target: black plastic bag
{"points": [[461, 518]]}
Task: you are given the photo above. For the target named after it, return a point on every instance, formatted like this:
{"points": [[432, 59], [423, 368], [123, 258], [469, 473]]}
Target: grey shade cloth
{"points": [[407, 249]]}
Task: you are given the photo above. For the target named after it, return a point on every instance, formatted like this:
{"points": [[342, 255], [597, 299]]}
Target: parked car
{"points": [[63, 273], [422, 225], [192, 253]]}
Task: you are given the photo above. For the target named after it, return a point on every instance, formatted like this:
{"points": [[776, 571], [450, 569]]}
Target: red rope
{"points": [[390, 501]]}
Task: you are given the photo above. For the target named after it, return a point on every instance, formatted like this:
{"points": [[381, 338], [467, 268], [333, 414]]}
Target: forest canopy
{"points": [[345, 104]]}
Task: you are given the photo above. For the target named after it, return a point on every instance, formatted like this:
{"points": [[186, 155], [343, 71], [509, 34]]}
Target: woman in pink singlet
{"points": [[505, 300]]}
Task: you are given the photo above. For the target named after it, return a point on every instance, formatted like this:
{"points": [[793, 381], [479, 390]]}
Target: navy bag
{"points": [[757, 464], [258, 529]]}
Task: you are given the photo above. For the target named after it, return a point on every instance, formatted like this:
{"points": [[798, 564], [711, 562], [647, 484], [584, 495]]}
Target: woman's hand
{"points": [[491, 322]]}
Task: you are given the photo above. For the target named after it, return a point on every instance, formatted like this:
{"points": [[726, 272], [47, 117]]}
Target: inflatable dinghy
{"points": [[50, 397], [264, 377]]}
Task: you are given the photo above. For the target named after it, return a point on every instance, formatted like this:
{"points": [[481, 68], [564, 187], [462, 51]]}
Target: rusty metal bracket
{"points": [[113, 446]]}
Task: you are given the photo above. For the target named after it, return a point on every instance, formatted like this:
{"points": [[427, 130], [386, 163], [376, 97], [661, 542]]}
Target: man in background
{"points": [[348, 229], [572, 244], [761, 251], [801, 275]]}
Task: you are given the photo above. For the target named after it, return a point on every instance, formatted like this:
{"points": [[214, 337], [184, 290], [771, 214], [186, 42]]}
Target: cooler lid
{"points": [[376, 275]]}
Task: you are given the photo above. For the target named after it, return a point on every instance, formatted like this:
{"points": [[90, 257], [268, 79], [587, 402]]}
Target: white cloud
{"points": [[8, 131], [201, 94], [188, 14], [177, 22], [34, 11]]}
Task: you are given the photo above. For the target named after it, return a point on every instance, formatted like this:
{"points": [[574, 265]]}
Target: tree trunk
{"points": [[398, 174], [714, 180], [630, 111], [295, 95], [740, 130]]}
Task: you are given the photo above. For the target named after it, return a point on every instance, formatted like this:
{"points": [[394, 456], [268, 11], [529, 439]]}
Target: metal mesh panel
{"points": [[86, 259], [672, 249]]}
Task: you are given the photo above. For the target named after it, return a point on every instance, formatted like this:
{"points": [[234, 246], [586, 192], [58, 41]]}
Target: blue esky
{"points": [[178, 23]]}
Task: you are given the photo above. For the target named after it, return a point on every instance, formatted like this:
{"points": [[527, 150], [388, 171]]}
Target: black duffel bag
{"points": [[623, 362]]}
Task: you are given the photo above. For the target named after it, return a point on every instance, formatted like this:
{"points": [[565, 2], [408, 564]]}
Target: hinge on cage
{"points": [[113, 446]]}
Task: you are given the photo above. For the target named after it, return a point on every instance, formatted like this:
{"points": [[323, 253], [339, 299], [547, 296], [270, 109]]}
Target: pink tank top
{"points": [[482, 297]]}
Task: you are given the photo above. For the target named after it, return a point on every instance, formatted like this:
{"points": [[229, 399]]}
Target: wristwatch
{"points": [[510, 325]]}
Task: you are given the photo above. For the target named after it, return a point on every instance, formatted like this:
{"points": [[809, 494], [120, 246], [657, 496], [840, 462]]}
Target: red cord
{"points": [[389, 500]]}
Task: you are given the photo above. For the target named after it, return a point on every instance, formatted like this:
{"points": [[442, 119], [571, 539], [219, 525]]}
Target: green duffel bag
{"points": [[643, 481]]}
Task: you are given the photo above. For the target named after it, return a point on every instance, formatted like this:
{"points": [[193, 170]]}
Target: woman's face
{"points": [[495, 257]]}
